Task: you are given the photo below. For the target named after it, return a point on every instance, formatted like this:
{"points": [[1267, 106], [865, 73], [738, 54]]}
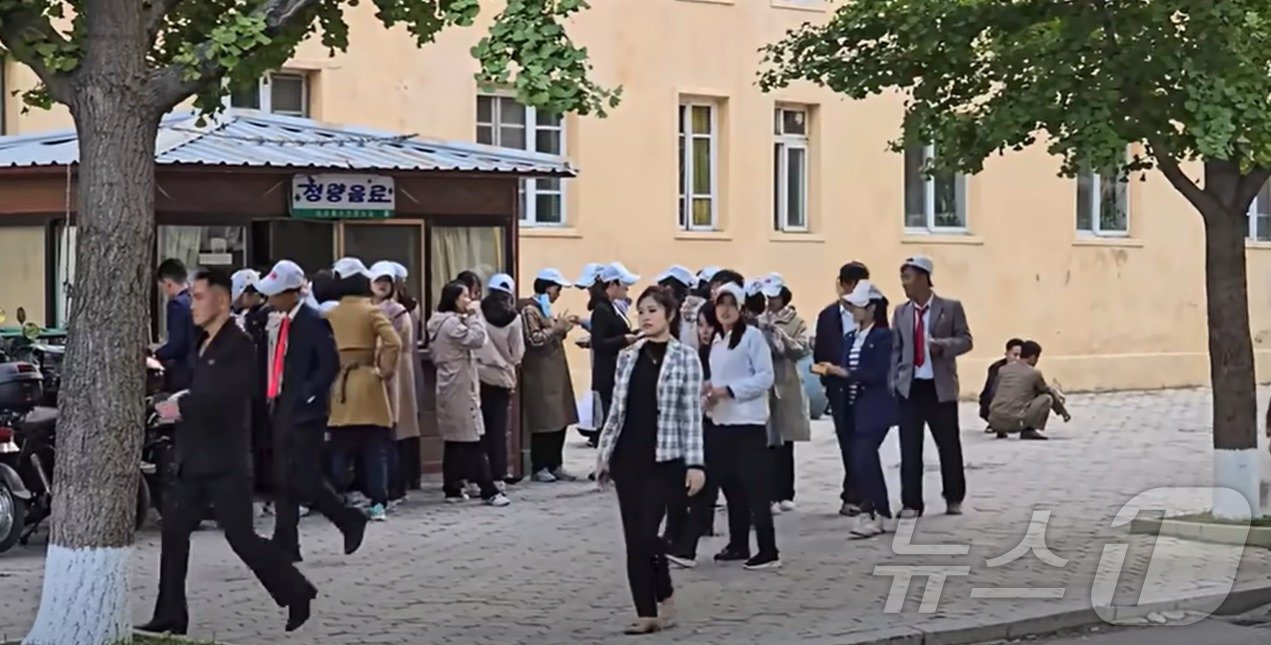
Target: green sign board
{"points": [[340, 196]]}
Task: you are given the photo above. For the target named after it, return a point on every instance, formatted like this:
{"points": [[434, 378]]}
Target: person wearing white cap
{"points": [[931, 332], [709, 280], [301, 364], [401, 386], [869, 408], [497, 362], [361, 414], [680, 280], [591, 273], [547, 392], [252, 316], [610, 334], [789, 417], [737, 399]]}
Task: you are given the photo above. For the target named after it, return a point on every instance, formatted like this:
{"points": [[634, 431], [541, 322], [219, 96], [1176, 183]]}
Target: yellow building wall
{"points": [[22, 273], [1111, 313]]}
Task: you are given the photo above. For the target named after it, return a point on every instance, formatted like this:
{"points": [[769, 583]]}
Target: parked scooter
{"points": [[14, 495]]}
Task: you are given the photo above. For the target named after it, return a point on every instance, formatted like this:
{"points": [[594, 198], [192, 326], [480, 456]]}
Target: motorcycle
{"points": [[14, 495]]}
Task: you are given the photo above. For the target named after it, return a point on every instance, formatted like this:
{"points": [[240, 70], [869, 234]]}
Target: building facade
{"points": [[698, 167]]}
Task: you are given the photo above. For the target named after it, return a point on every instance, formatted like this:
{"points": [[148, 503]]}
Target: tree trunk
{"points": [[1231, 366], [85, 595]]}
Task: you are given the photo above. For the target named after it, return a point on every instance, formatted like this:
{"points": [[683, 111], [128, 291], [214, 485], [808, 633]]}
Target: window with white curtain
{"points": [[480, 249], [1260, 215], [221, 247], [1103, 204], [790, 170]]}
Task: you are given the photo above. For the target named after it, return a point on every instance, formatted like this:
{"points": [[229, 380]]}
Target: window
{"points": [[934, 203], [1103, 205], [219, 247], [284, 93], [790, 170], [480, 249], [698, 166], [504, 122], [1260, 215], [393, 242]]}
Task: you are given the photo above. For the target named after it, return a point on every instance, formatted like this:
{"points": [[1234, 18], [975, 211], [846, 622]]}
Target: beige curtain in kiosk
{"points": [[482, 249]]}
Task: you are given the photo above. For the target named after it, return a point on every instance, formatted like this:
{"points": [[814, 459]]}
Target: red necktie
{"points": [[920, 337], [280, 352]]}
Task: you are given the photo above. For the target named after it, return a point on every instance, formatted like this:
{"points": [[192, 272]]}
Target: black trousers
{"points": [[643, 497], [465, 461], [298, 474], [837, 395], [495, 402], [547, 450], [699, 510], [782, 471], [923, 408], [746, 480], [231, 500], [403, 467]]}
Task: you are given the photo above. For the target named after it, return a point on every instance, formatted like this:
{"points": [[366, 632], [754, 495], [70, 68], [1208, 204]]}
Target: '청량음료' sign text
{"points": [[342, 196]]}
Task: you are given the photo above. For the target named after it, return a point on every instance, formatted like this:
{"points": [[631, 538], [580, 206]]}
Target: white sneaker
{"points": [[498, 501], [304, 511], [787, 505], [544, 476], [501, 485], [776, 508], [357, 499], [867, 526], [909, 514], [473, 490]]}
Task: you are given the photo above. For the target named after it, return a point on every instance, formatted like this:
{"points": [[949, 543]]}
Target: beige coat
{"points": [[1023, 399], [454, 339], [369, 350], [501, 354], [547, 392], [401, 387], [788, 417]]}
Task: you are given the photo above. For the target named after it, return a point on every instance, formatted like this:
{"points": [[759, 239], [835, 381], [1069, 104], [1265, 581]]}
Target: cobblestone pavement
{"points": [[549, 568]]}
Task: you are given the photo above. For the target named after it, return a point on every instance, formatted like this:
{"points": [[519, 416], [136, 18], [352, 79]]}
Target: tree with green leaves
{"points": [[119, 66], [1186, 80]]}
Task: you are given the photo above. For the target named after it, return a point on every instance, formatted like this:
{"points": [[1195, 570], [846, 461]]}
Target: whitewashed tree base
{"points": [[1241, 471], [85, 598]]}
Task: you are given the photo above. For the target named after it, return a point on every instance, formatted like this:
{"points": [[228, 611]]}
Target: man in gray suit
{"points": [[931, 332]]}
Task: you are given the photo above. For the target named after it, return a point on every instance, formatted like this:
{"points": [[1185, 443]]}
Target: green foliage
{"points": [[1187, 77], [232, 43]]}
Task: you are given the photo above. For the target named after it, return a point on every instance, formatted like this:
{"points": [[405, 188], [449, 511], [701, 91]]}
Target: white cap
{"points": [[617, 272], [501, 282], [678, 273], [708, 273], [328, 305], [754, 287], [346, 267], [864, 292], [399, 270], [590, 273], [242, 279], [553, 276], [772, 285], [921, 262], [382, 269], [285, 276], [733, 290]]}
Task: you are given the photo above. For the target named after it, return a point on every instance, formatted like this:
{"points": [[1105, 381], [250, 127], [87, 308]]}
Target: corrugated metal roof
{"points": [[247, 138]]}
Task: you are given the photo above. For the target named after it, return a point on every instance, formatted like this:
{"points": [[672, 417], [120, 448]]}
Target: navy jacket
{"points": [[827, 346], [308, 371], [875, 409], [177, 354]]}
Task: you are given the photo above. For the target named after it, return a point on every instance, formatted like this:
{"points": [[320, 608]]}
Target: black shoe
{"points": [[763, 561], [1033, 435], [156, 626], [730, 554], [1001, 435], [353, 536], [300, 609]]}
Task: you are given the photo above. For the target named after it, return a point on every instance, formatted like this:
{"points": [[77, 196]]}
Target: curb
{"points": [[1238, 601], [1217, 533]]}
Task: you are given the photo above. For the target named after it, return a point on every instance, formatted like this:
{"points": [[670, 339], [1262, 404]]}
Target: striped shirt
{"points": [[854, 358]]}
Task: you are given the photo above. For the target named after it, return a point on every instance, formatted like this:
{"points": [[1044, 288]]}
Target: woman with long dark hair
{"points": [[401, 387], [610, 332], [871, 408], [737, 397], [789, 417], [497, 362], [652, 448]]}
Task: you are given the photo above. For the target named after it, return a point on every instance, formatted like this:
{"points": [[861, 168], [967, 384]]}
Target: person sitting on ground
{"points": [[1023, 400], [990, 383]]}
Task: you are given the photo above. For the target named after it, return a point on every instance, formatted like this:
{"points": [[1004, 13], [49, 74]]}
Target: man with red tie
{"points": [[930, 333], [302, 364]]}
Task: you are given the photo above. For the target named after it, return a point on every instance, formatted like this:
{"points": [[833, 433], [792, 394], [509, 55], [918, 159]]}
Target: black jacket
{"points": [[828, 344], [990, 388], [309, 368], [213, 437], [609, 331]]}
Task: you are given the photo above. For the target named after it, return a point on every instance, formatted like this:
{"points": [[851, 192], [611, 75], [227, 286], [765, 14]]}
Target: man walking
{"points": [[832, 325], [302, 363], [213, 464], [1024, 400], [177, 352], [931, 332]]}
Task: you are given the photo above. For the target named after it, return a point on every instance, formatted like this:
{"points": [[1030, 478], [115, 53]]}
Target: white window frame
{"points": [[266, 97], [529, 188], [781, 174], [929, 201], [1251, 216], [1096, 208], [687, 135]]}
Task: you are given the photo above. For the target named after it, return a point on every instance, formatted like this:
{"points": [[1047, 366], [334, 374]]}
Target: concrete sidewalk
{"points": [[549, 568]]}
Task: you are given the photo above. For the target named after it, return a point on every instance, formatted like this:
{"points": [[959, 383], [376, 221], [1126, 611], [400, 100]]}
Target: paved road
{"points": [[548, 569], [1251, 629]]}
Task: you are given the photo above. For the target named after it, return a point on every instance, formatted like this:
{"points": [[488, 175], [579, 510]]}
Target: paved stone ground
{"points": [[549, 568]]}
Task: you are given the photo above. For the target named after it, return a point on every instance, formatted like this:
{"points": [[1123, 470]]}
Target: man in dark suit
{"points": [[301, 365], [832, 324], [177, 353], [931, 333], [990, 382], [213, 464]]}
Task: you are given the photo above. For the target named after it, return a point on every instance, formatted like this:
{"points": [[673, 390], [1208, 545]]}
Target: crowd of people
{"points": [[703, 395]]}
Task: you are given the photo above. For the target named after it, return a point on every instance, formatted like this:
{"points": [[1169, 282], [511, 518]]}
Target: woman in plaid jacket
{"points": [[651, 447]]}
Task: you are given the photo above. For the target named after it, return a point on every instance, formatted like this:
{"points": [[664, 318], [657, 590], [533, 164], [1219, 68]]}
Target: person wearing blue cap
{"points": [[547, 392], [610, 333]]}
